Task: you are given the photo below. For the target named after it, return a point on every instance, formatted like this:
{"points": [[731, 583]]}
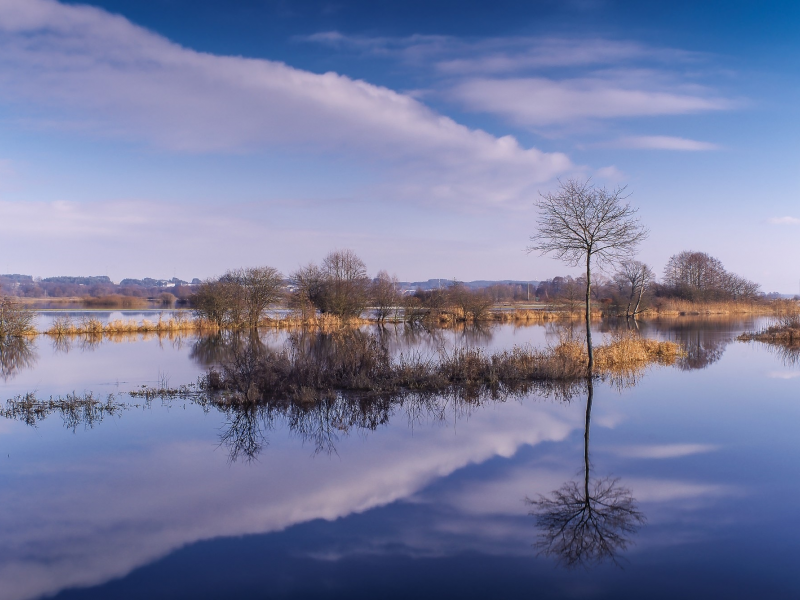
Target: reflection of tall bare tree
{"points": [[586, 522], [16, 354]]}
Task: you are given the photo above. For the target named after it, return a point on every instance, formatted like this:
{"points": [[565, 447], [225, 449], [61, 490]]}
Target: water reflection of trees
{"points": [[417, 336], [16, 354], [704, 340], [322, 386], [323, 422], [589, 521]]}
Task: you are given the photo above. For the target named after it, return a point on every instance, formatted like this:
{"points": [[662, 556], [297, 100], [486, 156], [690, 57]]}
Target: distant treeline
{"points": [[340, 286], [94, 287], [690, 276]]}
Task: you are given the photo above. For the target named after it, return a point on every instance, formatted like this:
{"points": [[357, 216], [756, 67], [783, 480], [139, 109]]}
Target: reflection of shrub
{"points": [[15, 319]]}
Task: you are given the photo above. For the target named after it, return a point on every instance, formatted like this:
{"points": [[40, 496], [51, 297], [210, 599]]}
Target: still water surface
{"points": [[159, 501]]}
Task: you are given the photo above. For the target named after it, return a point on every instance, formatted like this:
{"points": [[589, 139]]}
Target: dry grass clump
{"points": [[89, 325], [525, 316], [785, 331], [629, 351]]}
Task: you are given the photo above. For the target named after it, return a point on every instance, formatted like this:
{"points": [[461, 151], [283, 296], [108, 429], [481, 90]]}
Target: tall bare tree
{"points": [[581, 223]]}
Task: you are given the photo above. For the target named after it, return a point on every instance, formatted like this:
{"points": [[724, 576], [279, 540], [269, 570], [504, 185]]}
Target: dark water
{"points": [[411, 500]]}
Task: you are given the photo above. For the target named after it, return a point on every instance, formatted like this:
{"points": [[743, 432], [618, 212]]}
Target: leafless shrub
{"points": [[473, 304], [15, 319], [239, 298]]}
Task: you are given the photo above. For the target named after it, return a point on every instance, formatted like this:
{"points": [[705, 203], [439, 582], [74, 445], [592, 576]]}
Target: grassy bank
{"points": [[675, 307]]}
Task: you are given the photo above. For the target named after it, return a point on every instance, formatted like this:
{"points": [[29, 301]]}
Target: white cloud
{"points": [[663, 450], [784, 221], [611, 173], [663, 142], [659, 490], [783, 374], [538, 101], [100, 73]]}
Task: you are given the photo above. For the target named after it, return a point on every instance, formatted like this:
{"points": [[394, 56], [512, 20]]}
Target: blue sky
{"points": [[178, 137]]}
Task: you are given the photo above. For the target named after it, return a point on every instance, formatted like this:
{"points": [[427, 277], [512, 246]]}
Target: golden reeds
{"points": [[675, 306]]}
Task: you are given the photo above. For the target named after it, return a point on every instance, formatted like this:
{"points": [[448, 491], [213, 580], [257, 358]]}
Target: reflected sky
{"points": [[149, 504]]}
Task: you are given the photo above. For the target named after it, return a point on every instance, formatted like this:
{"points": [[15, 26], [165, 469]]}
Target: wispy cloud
{"points": [[663, 142], [538, 101], [784, 221], [552, 81], [493, 56]]}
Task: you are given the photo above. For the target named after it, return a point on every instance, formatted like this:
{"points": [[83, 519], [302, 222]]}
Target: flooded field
{"points": [[679, 483]]}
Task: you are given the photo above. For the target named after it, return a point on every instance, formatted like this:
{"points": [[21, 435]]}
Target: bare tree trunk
{"points": [[630, 301], [588, 311], [641, 293]]}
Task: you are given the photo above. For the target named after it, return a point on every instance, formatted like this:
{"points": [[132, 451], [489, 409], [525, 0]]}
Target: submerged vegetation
{"points": [[785, 331], [74, 409], [314, 365]]}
